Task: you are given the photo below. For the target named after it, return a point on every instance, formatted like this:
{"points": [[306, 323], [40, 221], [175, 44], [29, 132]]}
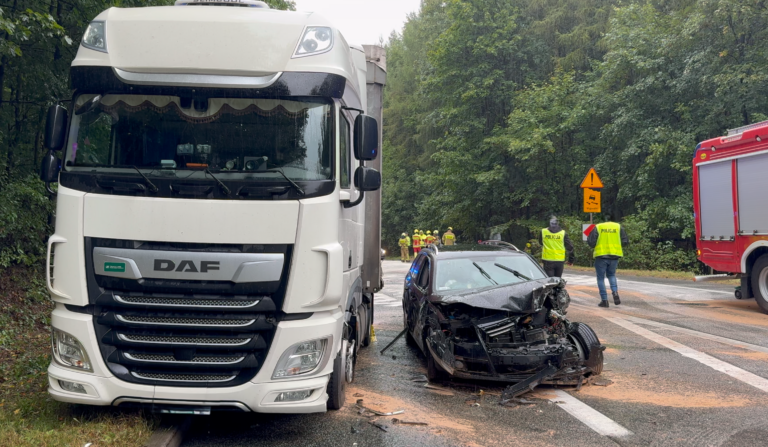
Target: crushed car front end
{"points": [[511, 333]]}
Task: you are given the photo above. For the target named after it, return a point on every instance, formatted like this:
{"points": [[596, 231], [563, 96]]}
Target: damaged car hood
{"points": [[521, 297]]}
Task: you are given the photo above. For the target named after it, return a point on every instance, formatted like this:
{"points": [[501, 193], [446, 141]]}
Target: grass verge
{"points": [[28, 416]]}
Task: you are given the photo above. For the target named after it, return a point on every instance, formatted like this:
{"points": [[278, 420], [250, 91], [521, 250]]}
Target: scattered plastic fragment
{"points": [[376, 412], [378, 425], [419, 378], [397, 421]]}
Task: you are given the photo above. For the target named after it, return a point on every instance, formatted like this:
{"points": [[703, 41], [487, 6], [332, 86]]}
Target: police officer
{"points": [[555, 245], [448, 237], [608, 240], [416, 243], [405, 244]]}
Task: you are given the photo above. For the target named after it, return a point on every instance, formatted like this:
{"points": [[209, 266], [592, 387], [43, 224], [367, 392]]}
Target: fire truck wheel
{"points": [[760, 282]]}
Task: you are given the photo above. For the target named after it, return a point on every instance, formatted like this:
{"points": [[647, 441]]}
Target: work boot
{"points": [[616, 299], [603, 303]]}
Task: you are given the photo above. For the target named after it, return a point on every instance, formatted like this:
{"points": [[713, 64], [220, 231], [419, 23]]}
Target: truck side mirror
{"points": [[55, 128], [49, 170], [366, 143], [367, 179]]}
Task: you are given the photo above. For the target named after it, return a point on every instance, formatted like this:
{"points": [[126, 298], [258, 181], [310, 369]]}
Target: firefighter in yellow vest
{"points": [[428, 239], [448, 237], [555, 246], [436, 236], [608, 239], [416, 243], [405, 244]]}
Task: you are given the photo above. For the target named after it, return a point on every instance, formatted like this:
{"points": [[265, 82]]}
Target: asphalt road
{"points": [[688, 365]]}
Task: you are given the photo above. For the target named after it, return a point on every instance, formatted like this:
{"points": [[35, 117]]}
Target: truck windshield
{"points": [[240, 138]]}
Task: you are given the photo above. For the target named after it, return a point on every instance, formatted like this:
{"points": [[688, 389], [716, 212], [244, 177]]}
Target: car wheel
{"points": [[587, 340], [408, 337], [337, 385], [760, 282]]}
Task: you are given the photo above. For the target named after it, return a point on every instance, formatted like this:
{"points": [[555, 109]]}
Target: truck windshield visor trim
{"points": [[182, 137], [196, 80]]}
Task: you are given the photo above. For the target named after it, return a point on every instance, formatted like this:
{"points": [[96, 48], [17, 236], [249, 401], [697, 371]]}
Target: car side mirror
{"points": [[55, 128], [367, 179], [366, 142]]}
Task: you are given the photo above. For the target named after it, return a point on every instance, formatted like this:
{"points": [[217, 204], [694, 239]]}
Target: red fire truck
{"points": [[730, 190]]}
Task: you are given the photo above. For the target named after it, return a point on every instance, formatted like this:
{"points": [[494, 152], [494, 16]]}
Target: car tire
{"points": [[434, 372], [337, 385], [587, 338], [760, 282], [409, 340]]}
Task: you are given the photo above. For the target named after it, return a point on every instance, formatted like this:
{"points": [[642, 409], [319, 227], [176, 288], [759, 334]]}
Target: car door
{"points": [[421, 291], [409, 291]]}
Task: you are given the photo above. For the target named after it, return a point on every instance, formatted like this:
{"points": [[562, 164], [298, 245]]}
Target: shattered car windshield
{"points": [[241, 138], [464, 274]]}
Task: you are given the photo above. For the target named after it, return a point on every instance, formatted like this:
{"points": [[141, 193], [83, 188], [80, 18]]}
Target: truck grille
{"points": [[185, 333]]}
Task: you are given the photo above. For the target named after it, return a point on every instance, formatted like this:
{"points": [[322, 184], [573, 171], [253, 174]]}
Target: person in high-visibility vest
{"points": [[428, 239], [608, 239], [555, 246], [405, 244], [416, 243], [448, 237], [436, 236]]}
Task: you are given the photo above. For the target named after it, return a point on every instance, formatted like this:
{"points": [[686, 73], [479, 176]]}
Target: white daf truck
{"points": [[218, 216]]}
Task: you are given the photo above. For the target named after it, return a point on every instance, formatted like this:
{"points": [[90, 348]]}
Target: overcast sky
{"points": [[363, 21]]}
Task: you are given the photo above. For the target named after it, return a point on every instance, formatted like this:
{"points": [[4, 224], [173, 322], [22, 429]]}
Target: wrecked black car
{"points": [[488, 311]]}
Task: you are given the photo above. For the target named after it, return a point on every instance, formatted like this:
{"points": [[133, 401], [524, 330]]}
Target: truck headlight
{"points": [[301, 358], [68, 352], [315, 40], [95, 36]]}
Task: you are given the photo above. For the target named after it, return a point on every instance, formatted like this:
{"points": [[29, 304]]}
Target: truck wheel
{"points": [[760, 282], [737, 294], [590, 346], [337, 386], [368, 309]]}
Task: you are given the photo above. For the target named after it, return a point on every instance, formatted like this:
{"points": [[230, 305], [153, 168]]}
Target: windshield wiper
{"points": [[223, 187], [512, 271], [280, 171], [151, 185], [485, 273]]}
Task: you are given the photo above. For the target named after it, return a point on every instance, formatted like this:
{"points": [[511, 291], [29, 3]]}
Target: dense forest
{"points": [[496, 109]]}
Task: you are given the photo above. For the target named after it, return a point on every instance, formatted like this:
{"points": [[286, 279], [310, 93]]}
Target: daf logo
{"points": [[166, 265]]}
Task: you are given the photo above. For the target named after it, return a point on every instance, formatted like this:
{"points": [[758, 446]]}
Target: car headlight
{"points": [[315, 40], [95, 36], [68, 352], [301, 358]]}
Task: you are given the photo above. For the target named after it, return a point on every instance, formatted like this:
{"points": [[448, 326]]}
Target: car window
{"points": [[423, 281], [413, 272], [463, 274]]}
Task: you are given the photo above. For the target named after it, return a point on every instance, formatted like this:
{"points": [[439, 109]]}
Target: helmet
{"points": [[450, 228], [421, 231], [435, 232], [416, 230], [404, 235]]}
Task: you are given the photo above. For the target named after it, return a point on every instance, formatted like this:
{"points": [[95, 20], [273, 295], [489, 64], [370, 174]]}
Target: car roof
{"points": [[471, 251]]}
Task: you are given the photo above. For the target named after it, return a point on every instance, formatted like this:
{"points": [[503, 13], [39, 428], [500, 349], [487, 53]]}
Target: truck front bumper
{"points": [[258, 395]]}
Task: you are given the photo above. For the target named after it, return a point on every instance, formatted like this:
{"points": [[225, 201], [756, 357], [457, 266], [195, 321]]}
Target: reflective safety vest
{"points": [[449, 238], [430, 239], [416, 241], [554, 245], [608, 240], [405, 241]]}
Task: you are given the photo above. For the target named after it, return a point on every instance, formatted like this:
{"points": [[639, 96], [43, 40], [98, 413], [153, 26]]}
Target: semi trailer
{"points": [[217, 226], [731, 208]]}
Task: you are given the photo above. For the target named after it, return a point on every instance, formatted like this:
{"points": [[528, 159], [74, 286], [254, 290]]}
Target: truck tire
{"points": [[337, 385], [590, 344], [368, 309], [760, 282]]}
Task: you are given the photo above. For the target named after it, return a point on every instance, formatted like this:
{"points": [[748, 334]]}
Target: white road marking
{"points": [[727, 341], [589, 416], [705, 359], [583, 280]]}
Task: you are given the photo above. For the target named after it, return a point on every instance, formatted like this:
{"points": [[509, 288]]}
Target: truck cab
{"points": [[218, 215]]}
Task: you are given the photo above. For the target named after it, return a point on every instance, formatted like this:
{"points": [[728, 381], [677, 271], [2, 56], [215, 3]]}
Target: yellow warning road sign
{"points": [[592, 180], [591, 201]]}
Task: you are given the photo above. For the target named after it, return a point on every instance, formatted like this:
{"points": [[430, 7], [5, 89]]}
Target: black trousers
{"points": [[554, 268]]}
